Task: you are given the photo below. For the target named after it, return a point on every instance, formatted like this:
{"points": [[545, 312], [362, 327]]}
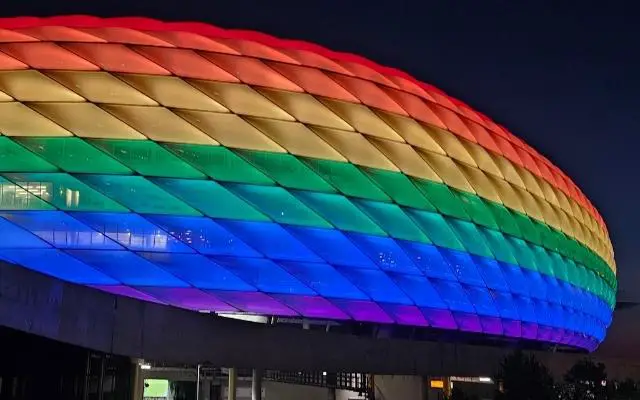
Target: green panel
{"points": [[399, 188], [15, 158], [278, 204], [65, 192], [523, 253], [340, 212], [471, 238], [74, 155], [529, 231], [498, 245], [219, 163], [287, 170], [504, 218], [543, 260], [477, 209], [393, 220], [347, 178], [146, 157], [436, 229], [442, 198], [13, 197], [211, 198], [139, 194]]}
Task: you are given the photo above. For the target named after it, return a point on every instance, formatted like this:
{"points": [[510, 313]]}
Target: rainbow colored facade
{"points": [[230, 171]]}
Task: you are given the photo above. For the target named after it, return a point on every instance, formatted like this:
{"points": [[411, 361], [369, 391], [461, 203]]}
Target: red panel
{"points": [[185, 63], [116, 58], [45, 55], [452, 121], [415, 106], [313, 81], [368, 92], [60, 34], [190, 40], [126, 36]]}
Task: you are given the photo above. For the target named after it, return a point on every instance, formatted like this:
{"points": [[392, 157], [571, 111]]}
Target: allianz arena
{"points": [[233, 172]]}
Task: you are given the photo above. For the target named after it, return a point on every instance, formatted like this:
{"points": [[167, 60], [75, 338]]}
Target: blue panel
{"points": [[491, 273], [482, 301], [385, 253], [264, 274], [454, 295], [204, 235], [515, 279], [463, 267], [376, 284], [428, 259], [525, 308], [198, 270], [128, 268], [133, 231], [271, 240], [537, 286], [14, 237], [419, 289], [57, 264], [324, 279], [554, 291], [61, 230], [569, 295], [557, 314], [543, 311], [505, 304], [332, 245]]}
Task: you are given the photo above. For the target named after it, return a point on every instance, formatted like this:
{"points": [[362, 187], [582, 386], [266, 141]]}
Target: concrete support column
{"points": [[256, 385], [233, 378], [331, 393], [137, 380]]}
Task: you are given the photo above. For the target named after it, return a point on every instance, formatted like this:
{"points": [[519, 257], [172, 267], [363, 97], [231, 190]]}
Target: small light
{"points": [[324, 373], [484, 379], [437, 384], [145, 366]]}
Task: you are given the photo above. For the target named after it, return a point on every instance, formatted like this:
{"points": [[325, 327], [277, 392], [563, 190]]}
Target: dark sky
{"points": [[564, 78]]}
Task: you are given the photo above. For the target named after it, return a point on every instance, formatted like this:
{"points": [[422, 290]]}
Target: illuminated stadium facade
{"points": [[232, 172]]}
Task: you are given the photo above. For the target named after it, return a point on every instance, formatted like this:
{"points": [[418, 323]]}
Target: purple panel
{"points": [[557, 334], [544, 333], [311, 306], [467, 322], [529, 330], [439, 318], [126, 291], [491, 325], [405, 315], [254, 303], [365, 311], [190, 298], [512, 328]]}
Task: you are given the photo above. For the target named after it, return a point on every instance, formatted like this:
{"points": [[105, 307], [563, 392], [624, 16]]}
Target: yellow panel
{"points": [[5, 97], [158, 123], [530, 182], [86, 120], [507, 194], [548, 192], [577, 210], [549, 214], [575, 226], [451, 145], [448, 170], [31, 85], [241, 99], [172, 92], [355, 148], [230, 130], [508, 171], [567, 228], [530, 206], [405, 158], [362, 119], [482, 158], [101, 87], [481, 183], [296, 138], [411, 131], [305, 108], [19, 120], [564, 202]]}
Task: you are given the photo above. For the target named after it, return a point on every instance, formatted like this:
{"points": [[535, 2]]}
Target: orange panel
{"points": [[116, 58], [185, 63], [405, 158], [230, 130], [193, 41], [362, 119], [313, 81], [86, 120], [355, 148], [296, 138], [60, 34], [43, 55], [31, 85], [13, 36], [411, 131], [552, 175], [251, 71], [100, 87], [452, 121], [508, 150], [126, 36], [369, 93], [241, 99], [314, 60], [258, 50], [470, 114], [415, 106], [448, 171], [442, 99], [408, 86], [10, 63], [305, 108], [172, 92], [19, 120], [527, 160], [366, 73], [484, 138]]}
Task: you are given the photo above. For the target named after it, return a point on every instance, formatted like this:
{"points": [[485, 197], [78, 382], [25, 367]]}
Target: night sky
{"points": [[564, 78]]}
